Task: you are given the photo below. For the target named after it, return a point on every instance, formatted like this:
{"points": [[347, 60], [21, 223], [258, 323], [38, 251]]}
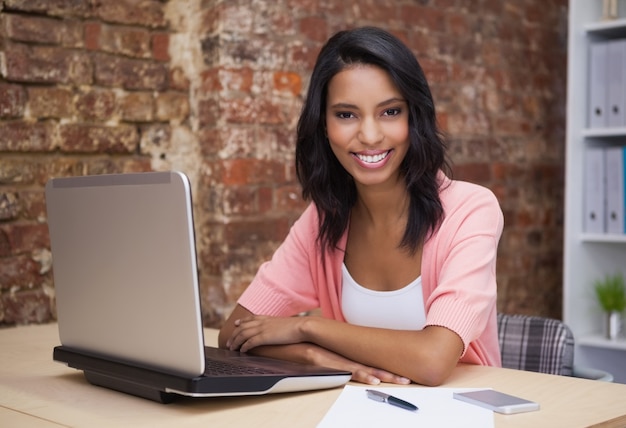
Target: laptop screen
{"points": [[125, 271]]}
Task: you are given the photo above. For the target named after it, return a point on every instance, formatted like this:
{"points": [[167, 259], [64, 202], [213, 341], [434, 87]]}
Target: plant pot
{"points": [[613, 324]]}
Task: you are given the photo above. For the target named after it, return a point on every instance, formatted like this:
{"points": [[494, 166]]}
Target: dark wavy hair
{"points": [[323, 178]]}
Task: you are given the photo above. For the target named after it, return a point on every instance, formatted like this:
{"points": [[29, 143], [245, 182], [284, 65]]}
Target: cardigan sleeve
{"points": [[460, 269], [285, 285]]}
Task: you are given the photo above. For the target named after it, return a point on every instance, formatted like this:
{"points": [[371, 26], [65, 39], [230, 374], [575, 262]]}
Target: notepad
{"points": [[437, 408]]}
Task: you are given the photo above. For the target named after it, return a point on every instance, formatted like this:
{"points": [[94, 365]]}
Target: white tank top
{"points": [[401, 309]]}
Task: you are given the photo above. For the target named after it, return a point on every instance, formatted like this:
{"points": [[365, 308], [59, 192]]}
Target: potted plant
{"points": [[611, 295]]}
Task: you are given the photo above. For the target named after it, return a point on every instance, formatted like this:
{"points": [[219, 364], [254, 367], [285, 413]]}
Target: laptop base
{"points": [[131, 388], [165, 387]]}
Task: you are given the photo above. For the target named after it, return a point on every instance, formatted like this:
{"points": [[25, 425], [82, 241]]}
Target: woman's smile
{"points": [[373, 159]]}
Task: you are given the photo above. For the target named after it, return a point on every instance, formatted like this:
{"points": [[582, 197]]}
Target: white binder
{"points": [[616, 84], [594, 191], [597, 84], [614, 161]]}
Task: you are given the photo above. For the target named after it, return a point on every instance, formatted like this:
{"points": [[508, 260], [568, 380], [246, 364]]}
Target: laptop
{"points": [[128, 300]]}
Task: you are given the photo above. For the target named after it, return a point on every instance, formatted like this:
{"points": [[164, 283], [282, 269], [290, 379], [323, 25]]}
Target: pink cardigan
{"points": [[458, 272]]}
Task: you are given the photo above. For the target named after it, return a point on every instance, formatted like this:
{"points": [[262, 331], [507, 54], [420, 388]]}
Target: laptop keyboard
{"points": [[228, 368]]}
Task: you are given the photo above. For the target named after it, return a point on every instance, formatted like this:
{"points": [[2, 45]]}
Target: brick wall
{"points": [[214, 88]]}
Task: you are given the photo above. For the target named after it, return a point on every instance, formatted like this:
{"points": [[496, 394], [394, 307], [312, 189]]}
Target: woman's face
{"points": [[367, 122]]}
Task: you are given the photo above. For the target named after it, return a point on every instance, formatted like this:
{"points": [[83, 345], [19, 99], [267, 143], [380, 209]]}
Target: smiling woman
{"points": [[399, 257]]}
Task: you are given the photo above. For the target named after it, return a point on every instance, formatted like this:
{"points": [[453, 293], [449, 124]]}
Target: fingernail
{"points": [[405, 380], [374, 381], [237, 322]]}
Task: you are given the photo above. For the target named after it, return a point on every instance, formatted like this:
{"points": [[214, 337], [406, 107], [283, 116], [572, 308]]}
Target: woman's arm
{"points": [[306, 352], [427, 356]]}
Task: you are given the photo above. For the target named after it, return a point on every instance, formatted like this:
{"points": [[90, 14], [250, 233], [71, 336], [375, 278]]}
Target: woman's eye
{"points": [[344, 115], [391, 112]]}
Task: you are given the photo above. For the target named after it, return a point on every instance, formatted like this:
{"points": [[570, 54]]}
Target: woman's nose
{"points": [[370, 131]]}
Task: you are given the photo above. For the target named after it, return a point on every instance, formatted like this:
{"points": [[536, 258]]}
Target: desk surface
{"points": [[35, 391]]}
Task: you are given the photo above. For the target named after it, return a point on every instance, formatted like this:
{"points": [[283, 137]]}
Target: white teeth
{"points": [[374, 158]]}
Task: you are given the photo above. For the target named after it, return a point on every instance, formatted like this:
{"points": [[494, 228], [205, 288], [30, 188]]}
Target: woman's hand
{"points": [[259, 330]]}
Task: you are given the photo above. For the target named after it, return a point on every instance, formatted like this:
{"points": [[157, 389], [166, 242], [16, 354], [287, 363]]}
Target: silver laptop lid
{"points": [[125, 272]]}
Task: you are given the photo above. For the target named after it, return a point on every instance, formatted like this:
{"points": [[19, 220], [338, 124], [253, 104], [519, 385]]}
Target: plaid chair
{"points": [[542, 345], [536, 344]]}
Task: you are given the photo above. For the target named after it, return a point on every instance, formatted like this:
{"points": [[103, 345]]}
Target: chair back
{"points": [[537, 344]]}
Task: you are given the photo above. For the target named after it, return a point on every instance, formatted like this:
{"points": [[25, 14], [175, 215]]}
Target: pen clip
{"points": [[377, 395]]}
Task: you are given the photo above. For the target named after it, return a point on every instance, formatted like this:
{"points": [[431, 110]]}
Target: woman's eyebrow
{"points": [[380, 104]]}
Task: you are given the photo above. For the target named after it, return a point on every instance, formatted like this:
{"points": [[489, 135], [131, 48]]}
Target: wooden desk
{"points": [[35, 391]]}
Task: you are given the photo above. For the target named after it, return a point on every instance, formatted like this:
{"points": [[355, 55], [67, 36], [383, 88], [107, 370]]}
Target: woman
{"points": [[383, 215]]}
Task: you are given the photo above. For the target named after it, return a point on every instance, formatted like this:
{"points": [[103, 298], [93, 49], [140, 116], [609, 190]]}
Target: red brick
{"points": [[19, 271], [245, 233], [208, 112], [132, 74], [436, 71], [44, 30], [147, 13], [231, 79], [79, 8], [232, 143], [39, 64], [210, 81], [288, 82], [302, 57], [96, 105], [24, 237], [160, 46], [458, 24], [98, 139], [314, 28], [265, 199], [26, 306], [26, 137], [511, 126], [127, 41], [50, 101], [237, 200], [137, 107], [32, 205], [12, 101], [424, 17], [251, 171], [252, 110], [374, 11], [92, 35], [172, 106], [473, 172], [289, 199]]}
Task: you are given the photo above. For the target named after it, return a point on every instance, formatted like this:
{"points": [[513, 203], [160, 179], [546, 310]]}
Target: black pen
{"points": [[390, 399]]}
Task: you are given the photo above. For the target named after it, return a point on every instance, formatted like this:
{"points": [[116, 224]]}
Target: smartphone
{"points": [[497, 401]]}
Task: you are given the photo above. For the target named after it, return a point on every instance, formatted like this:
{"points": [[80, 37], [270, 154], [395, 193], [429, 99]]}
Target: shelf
{"points": [[603, 238], [597, 341], [616, 132], [611, 28]]}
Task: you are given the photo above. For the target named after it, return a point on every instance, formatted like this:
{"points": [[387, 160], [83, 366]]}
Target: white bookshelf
{"points": [[588, 257]]}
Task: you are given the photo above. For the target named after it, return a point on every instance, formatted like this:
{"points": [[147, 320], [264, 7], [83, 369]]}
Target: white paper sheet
{"points": [[437, 408]]}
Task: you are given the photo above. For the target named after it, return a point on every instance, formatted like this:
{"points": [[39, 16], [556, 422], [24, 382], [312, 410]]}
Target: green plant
{"points": [[611, 293]]}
